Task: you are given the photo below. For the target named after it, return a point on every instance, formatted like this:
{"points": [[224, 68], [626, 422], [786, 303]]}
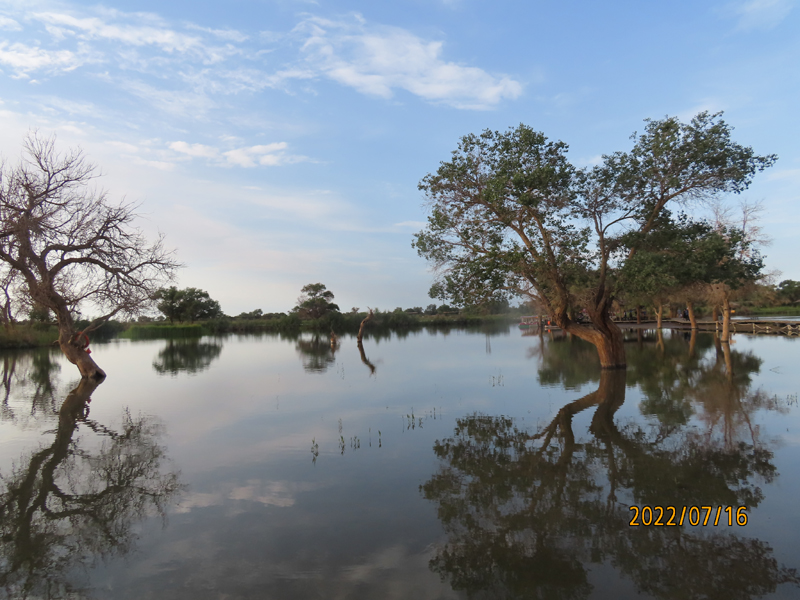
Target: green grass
{"points": [[28, 336], [789, 311]]}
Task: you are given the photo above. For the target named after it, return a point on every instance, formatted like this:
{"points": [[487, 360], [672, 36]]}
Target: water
{"points": [[433, 465]]}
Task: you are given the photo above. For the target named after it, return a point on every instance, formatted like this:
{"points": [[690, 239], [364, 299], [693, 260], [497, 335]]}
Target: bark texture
{"points": [[692, 316], [363, 324]]}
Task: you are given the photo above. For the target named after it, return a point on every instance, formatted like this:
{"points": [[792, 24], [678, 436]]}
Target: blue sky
{"points": [[278, 142]]}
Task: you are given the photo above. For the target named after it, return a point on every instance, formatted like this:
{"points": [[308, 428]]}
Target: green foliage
{"points": [[681, 253], [500, 199], [190, 304], [789, 291], [511, 216], [315, 302]]}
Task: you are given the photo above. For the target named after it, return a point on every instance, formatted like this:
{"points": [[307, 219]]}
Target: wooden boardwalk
{"points": [[744, 326], [751, 326]]}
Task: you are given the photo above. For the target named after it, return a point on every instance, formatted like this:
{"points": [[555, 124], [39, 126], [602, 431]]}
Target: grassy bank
{"points": [[772, 311], [339, 323], [28, 336]]}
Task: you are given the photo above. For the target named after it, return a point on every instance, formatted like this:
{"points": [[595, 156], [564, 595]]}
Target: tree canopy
{"points": [[511, 216], [315, 301], [789, 290], [190, 304]]}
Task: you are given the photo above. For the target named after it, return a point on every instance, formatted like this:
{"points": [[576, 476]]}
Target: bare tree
{"points": [[72, 246]]}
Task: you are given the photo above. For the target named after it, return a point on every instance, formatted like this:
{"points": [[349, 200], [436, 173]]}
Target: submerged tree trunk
{"points": [[606, 336], [726, 320], [692, 343], [75, 346], [363, 324], [692, 317]]}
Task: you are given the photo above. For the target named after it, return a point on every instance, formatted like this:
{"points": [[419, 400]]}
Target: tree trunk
{"points": [[660, 340], [606, 336], [363, 324], [726, 320], [659, 314], [692, 317], [638, 315], [715, 313], [692, 343], [75, 347]]}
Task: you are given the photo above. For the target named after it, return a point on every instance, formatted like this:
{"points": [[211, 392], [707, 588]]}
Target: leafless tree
{"points": [[72, 246]]}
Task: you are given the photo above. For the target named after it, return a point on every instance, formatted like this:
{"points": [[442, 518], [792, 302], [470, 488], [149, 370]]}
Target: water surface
{"points": [[437, 464]]}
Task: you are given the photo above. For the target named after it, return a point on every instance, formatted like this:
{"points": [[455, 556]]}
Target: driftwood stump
{"points": [[363, 324]]}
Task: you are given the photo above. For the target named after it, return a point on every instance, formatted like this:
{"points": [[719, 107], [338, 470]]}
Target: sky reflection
{"points": [[466, 460]]}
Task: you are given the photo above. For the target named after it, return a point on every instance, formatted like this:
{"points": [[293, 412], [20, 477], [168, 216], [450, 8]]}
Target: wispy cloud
{"points": [[132, 34], [268, 155], [24, 59], [411, 224], [761, 14], [377, 60], [182, 68], [9, 24]]}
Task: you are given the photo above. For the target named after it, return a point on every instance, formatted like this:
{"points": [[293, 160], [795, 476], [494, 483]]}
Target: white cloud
{"points": [[9, 24], [155, 164], [230, 35], [376, 60], [412, 224], [761, 14], [24, 59], [268, 155], [194, 150], [178, 102], [135, 35]]}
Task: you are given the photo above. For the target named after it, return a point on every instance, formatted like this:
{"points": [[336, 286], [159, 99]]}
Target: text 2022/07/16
{"points": [[694, 515]]}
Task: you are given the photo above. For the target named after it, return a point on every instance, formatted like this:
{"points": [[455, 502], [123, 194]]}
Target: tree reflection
{"points": [[527, 513], [30, 375], [186, 355], [317, 353], [372, 368], [73, 502]]}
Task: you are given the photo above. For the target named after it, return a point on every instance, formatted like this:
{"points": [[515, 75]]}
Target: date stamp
{"points": [[676, 516]]}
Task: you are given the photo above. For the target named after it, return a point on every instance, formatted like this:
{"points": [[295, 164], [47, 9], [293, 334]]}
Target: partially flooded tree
{"points": [[72, 246], [511, 216]]}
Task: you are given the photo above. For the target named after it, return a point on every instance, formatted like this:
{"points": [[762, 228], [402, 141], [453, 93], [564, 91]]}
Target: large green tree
{"points": [[315, 301], [789, 291], [511, 216], [190, 304]]}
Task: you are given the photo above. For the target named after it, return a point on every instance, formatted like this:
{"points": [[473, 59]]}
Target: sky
{"points": [[278, 143]]}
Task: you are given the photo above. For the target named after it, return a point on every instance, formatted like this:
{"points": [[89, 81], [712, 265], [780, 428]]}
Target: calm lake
{"points": [[435, 464]]}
